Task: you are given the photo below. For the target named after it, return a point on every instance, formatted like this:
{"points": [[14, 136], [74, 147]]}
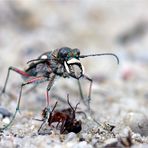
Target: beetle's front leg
{"points": [[90, 86], [81, 92], [89, 93], [90, 89]]}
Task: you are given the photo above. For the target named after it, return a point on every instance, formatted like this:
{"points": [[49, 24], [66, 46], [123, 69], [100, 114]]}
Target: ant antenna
{"points": [[84, 56], [77, 105], [74, 110], [69, 102], [71, 105]]}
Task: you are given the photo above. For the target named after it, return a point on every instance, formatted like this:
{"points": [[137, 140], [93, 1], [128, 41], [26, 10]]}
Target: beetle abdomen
{"points": [[31, 70]]}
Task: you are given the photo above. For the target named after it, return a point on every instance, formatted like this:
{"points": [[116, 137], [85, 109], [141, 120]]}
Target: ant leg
{"points": [[57, 125], [62, 130], [44, 121], [8, 73], [33, 80]]}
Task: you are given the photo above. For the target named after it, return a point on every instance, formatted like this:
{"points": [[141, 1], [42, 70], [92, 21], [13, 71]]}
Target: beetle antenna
{"points": [[84, 56]]}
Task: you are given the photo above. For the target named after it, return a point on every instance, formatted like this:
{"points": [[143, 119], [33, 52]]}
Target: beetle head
{"points": [[70, 59]]}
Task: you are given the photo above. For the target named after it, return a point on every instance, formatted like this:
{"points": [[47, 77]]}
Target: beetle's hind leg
{"points": [[8, 73], [39, 79]]}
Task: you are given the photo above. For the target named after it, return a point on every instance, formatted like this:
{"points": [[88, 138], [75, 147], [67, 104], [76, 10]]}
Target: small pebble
{"points": [[71, 136], [83, 144], [138, 122], [112, 142]]}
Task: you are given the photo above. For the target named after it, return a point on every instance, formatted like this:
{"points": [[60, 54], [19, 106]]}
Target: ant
{"points": [[59, 62], [66, 117]]}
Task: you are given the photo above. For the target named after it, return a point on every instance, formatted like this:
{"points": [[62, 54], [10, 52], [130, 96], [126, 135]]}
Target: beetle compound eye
{"points": [[63, 52], [64, 55], [76, 52]]}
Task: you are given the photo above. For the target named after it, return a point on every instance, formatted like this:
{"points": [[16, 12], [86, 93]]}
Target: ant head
{"points": [[70, 59], [76, 126]]}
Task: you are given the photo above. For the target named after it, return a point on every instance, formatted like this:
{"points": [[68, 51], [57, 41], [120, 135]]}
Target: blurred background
{"points": [[30, 27]]}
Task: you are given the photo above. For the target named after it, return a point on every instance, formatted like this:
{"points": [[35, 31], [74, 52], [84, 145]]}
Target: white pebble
{"points": [[71, 136], [138, 122], [112, 142], [6, 120], [83, 144]]}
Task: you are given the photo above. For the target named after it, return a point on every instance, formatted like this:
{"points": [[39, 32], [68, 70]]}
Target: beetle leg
{"points": [[15, 70], [89, 93], [90, 88], [48, 89], [33, 88], [33, 80], [81, 92]]}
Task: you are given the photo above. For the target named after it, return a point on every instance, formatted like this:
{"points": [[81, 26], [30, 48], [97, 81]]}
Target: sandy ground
{"points": [[119, 92]]}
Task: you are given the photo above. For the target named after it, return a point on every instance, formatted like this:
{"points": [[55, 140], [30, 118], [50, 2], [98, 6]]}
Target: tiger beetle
{"points": [[64, 62]]}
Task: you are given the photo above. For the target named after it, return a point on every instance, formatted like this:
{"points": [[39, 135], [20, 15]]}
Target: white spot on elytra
{"points": [[44, 57]]}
